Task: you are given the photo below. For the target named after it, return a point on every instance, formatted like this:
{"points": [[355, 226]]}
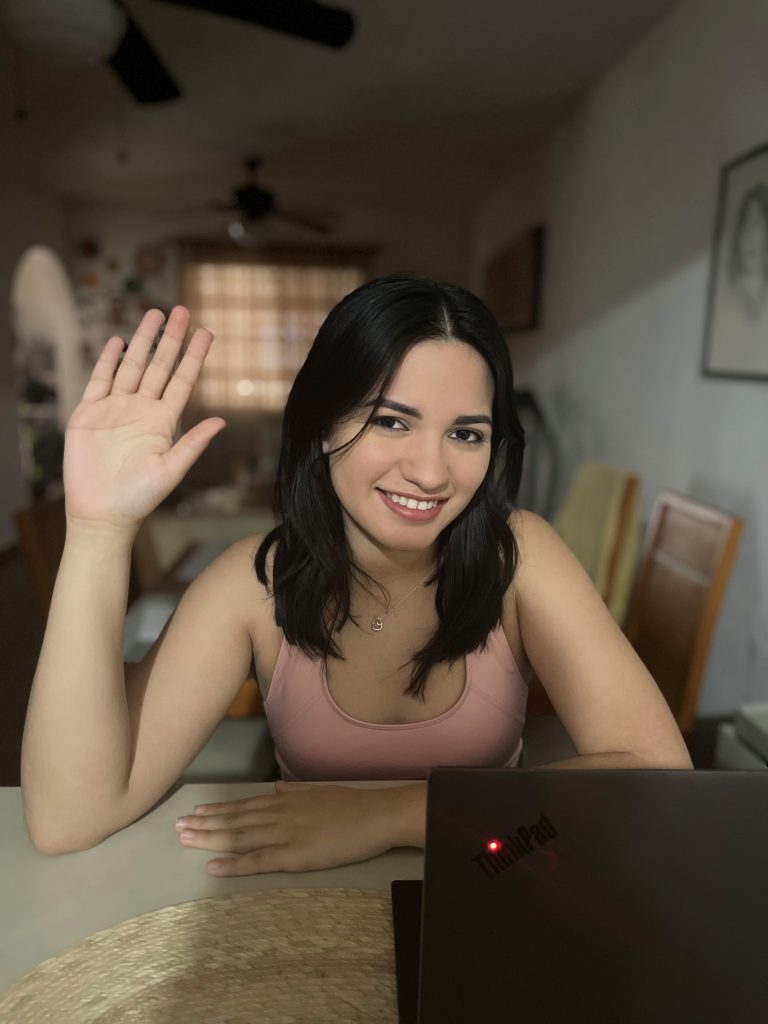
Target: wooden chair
{"points": [[684, 568], [599, 520], [41, 528]]}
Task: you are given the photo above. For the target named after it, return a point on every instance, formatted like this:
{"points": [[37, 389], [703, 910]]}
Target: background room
{"points": [[584, 168]]}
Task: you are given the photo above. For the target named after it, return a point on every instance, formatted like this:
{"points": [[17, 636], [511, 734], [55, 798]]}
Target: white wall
{"points": [[43, 307], [629, 191], [28, 217]]}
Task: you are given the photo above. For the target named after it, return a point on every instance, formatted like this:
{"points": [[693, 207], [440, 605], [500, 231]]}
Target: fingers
{"points": [[177, 393], [234, 840], [134, 362], [100, 383], [191, 445], [233, 820], [159, 371], [254, 863], [158, 379], [234, 806]]}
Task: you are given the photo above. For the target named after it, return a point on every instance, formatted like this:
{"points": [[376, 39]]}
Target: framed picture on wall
{"points": [[736, 333], [512, 282]]}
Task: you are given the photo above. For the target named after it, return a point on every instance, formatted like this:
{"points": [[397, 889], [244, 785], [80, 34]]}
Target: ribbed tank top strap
{"points": [[284, 704], [499, 682]]}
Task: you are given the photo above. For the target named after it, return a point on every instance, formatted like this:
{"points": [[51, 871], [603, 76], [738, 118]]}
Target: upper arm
{"points": [[600, 689], [179, 692]]}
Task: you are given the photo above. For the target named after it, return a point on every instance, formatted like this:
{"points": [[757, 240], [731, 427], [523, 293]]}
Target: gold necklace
{"points": [[377, 622]]}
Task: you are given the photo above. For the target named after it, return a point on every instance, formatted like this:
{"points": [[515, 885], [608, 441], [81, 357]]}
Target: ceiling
{"points": [[427, 104]]}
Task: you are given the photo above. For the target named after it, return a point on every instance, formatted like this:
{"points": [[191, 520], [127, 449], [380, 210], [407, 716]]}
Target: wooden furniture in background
{"points": [[512, 281], [623, 559], [599, 521], [146, 570], [685, 564], [248, 703], [42, 529]]}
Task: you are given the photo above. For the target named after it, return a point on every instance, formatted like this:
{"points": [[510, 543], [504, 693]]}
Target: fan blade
{"points": [[304, 18], [140, 69], [301, 221]]}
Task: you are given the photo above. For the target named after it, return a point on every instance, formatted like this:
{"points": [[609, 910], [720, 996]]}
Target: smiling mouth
{"points": [[422, 505]]}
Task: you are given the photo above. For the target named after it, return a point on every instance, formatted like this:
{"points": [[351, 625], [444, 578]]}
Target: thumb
{"points": [[191, 445]]}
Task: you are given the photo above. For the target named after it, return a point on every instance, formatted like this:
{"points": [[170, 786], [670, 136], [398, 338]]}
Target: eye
{"points": [[384, 421], [478, 438]]}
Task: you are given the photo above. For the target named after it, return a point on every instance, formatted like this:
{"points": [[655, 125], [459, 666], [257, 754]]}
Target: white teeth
{"points": [[410, 502]]}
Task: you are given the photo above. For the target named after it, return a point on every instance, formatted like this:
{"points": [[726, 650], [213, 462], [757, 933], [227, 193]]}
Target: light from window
{"points": [[264, 318]]}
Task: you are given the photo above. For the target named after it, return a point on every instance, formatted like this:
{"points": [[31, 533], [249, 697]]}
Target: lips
{"points": [[413, 514]]}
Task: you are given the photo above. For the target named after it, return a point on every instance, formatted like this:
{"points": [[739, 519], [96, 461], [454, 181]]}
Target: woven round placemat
{"points": [[274, 956]]}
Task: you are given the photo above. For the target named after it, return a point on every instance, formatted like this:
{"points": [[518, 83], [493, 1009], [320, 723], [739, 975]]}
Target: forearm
{"points": [[615, 759], [404, 810], [404, 814], [76, 747]]}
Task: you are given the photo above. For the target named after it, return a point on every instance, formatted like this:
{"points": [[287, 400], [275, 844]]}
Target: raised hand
{"points": [[120, 459]]}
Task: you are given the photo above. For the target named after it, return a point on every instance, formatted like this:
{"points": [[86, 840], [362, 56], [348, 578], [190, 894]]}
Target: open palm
{"points": [[120, 459]]}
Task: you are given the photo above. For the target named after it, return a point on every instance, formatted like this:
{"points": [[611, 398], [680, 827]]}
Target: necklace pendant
{"points": [[377, 625]]}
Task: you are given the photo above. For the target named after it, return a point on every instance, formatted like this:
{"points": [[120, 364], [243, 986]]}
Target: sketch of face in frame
{"points": [[748, 271]]}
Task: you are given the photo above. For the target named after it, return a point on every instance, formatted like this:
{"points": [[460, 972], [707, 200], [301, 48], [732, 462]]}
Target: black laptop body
{"points": [[614, 897]]}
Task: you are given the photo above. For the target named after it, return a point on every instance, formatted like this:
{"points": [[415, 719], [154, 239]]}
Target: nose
{"points": [[423, 464]]}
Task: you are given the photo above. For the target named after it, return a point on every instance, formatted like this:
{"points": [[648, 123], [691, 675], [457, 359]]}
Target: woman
{"points": [[386, 638]]}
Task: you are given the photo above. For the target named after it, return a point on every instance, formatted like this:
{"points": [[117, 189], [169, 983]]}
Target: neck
{"points": [[395, 568]]}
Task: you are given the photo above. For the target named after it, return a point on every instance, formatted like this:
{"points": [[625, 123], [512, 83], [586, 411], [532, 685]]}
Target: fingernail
{"points": [[187, 835], [181, 822]]}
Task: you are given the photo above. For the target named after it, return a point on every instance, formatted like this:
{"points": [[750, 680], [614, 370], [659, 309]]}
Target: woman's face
{"points": [[435, 448]]}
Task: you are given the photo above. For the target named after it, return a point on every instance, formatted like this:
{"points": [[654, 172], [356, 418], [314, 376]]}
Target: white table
{"points": [[49, 902]]}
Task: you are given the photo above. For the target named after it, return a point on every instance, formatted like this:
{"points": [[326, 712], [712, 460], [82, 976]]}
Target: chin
{"points": [[404, 542]]}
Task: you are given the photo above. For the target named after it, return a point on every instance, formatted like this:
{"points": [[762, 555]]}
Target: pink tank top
{"points": [[316, 741]]}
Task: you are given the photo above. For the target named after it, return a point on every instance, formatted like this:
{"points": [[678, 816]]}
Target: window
{"points": [[265, 311]]}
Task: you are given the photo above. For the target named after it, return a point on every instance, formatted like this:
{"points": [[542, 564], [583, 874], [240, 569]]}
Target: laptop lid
{"points": [[600, 895]]}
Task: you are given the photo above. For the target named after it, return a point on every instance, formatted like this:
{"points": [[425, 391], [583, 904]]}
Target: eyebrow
{"points": [[408, 410]]}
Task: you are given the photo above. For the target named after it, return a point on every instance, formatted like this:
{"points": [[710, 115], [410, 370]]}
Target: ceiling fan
{"points": [[252, 212], [88, 32], [250, 205]]}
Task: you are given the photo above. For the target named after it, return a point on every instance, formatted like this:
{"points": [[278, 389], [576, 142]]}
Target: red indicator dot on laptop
{"points": [[493, 846]]}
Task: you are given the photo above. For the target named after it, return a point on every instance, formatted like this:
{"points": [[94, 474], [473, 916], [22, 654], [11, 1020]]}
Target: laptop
{"points": [[614, 897]]}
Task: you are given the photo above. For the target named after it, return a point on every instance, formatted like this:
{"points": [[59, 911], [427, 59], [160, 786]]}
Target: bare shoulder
{"points": [[252, 597], [549, 580], [542, 585], [233, 567], [543, 555], [532, 533]]}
